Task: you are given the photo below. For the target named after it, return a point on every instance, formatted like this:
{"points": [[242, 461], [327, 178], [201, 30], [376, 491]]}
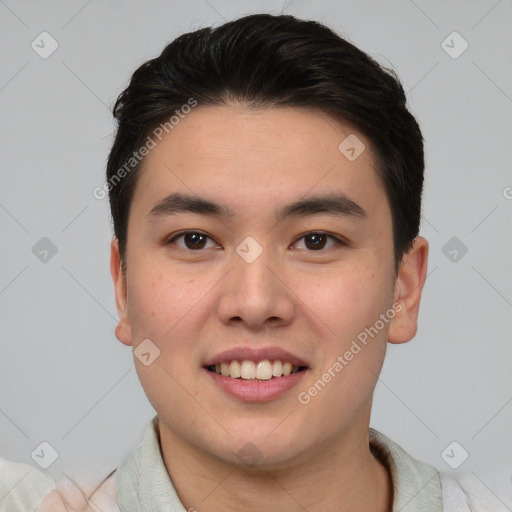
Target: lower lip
{"points": [[256, 390]]}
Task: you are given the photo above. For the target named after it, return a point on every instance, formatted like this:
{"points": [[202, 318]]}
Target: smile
{"points": [[251, 370]]}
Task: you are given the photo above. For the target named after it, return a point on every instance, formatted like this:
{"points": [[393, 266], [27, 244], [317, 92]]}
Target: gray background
{"points": [[65, 379]]}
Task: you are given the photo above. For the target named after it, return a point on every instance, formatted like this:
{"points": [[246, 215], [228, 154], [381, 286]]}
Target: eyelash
{"points": [[339, 241]]}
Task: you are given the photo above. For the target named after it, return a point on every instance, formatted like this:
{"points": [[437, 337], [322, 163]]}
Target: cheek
{"points": [[348, 301], [170, 306], [343, 384], [159, 301], [162, 310]]}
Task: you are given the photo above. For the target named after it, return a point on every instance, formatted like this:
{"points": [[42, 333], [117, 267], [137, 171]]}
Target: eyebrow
{"points": [[336, 204]]}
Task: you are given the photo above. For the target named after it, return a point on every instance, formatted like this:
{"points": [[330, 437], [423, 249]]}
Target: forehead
{"points": [[260, 156]]}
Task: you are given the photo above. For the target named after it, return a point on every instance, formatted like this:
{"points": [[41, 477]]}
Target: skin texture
{"points": [[193, 304]]}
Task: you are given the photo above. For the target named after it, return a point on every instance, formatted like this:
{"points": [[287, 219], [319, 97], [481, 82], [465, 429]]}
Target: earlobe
{"points": [[123, 329], [409, 285]]}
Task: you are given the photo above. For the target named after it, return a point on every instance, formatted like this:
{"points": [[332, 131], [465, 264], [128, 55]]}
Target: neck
{"points": [[338, 477]]}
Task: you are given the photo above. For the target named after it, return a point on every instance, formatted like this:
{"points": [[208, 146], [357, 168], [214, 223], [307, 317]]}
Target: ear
{"points": [[123, 329], [408, 287]]}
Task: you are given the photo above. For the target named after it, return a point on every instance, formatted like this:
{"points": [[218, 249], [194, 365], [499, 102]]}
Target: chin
{"points": [[260, 450]]}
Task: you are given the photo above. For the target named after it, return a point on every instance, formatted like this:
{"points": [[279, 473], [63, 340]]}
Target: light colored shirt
{"points": [[141, 484]]}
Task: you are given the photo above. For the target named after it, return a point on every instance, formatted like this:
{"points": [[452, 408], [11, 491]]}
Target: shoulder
{"points": [[468, 493], [427, 488]]}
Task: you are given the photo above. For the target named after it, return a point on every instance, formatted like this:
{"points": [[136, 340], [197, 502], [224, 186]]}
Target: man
{"points": [[265, 185]]}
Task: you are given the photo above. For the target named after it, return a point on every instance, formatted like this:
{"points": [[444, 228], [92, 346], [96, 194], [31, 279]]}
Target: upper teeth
{"points": [[263, 370]]}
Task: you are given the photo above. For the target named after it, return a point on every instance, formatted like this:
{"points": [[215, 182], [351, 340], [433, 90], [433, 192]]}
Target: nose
{"points": [[256, 294]]}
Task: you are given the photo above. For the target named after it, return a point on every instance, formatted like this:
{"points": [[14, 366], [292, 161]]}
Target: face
{"points": [[261, 277]]}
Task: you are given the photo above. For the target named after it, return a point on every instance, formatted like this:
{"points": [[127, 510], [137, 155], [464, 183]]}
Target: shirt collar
{"points": [[416, 485], [142, 480]]}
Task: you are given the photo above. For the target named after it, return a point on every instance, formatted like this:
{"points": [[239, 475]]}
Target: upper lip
{"points": [[256, 355]]}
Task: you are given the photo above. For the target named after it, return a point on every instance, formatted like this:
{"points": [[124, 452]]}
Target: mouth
{"points": [[256, 375], [248, 370]]}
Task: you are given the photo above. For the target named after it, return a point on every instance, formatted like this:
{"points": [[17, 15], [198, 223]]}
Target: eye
{"points": [[316, 240], [193, 240]]}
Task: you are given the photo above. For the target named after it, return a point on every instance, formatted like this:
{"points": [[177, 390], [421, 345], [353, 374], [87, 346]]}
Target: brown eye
{"points": [[316, 241], [193, 240]]}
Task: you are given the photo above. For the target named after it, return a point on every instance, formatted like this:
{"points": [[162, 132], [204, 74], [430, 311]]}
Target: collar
{"points": [[416, 485]]}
